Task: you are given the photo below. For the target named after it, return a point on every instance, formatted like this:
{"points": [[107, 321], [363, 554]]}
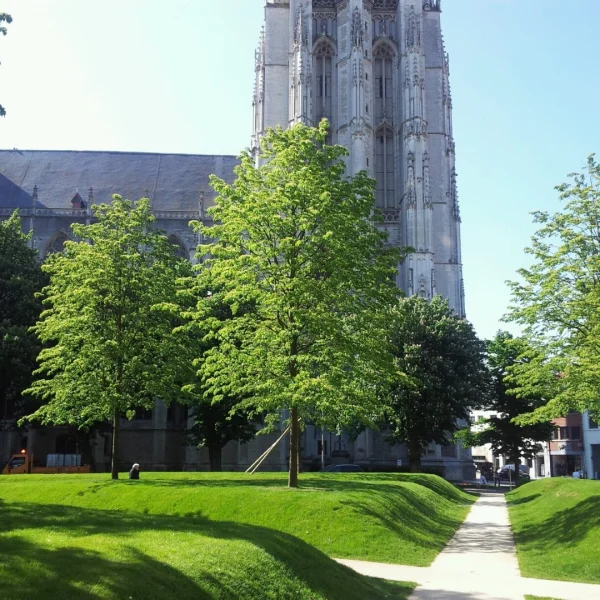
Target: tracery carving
{"points": [[384, 49], [390, 215], [411, 195], [385, 4], [301, 31], [357, 29], [426, 183], [415, 128], [435, 5], [323, 48], [413, 30], [453, 196]]}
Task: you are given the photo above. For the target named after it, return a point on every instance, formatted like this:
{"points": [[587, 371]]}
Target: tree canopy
{"points": [[20, 279], [557, 301], [295, 237], [216, 422], [109, 346], [507, 437], [440, 374]]}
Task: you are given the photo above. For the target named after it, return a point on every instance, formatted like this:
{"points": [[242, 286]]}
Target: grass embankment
{"points": [[556, 523], [217, 535]]}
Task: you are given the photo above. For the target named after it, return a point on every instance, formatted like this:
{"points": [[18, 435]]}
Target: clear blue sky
{"points": [[177, 76]]}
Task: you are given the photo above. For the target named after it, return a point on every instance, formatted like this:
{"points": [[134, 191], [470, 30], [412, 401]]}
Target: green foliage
{"points": [[558, 302], [556, 524], [4, 18], [294, 237], [109, 349], [216, 422], [440, 374], [506, 436], [20, 278], [393, 518]]}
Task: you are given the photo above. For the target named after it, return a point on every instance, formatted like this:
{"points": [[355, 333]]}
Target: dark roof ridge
{"points": [[23, 150]]}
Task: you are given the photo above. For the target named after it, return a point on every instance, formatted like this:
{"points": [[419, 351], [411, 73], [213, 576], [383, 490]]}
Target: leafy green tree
{"points": [[218, 423], [440, 374], [506, 436], [110, 348], [4, 18], [295, 237], [557, 302], [20, 279]]}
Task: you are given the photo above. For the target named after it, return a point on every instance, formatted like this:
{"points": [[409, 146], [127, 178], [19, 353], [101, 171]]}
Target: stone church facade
{"points": [[377, 70]]}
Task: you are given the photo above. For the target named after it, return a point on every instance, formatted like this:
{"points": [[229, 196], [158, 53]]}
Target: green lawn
{"points": [[556, 523], [215, 536]]}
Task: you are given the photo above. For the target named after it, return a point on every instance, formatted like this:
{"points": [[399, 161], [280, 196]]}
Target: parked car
{"points": [[507, 473], [342, 469]]}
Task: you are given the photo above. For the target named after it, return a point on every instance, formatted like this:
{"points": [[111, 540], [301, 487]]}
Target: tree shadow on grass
{"points": [[523, 500], [411, 519], [33, 571], [71, 571], [564, 528]]}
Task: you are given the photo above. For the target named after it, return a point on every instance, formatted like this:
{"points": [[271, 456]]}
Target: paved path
{"points": [[479, 563]]}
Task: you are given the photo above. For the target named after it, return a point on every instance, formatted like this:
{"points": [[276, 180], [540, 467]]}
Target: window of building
{"points": [[449, 451], [143, 414], [322, 447], [575, 433], [66, 444], [383, 116], [323, 55]]}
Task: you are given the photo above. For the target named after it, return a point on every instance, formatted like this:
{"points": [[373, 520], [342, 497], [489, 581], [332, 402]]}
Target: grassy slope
{"points": [[217, 536], [556, 523]]}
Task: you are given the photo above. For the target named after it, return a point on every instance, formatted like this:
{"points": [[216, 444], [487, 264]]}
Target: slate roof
{"points": [[172, 181]]}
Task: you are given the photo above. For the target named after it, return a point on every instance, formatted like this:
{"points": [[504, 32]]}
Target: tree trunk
{"points": [[214, 457], [294, 449], [114, 468], [414, 459]]}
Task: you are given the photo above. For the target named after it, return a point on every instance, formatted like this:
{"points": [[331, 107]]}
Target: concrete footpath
{"points": [[479, 563]]}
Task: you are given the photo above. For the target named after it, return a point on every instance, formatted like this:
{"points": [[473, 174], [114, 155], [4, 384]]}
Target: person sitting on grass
{"points": [[135, 472]]}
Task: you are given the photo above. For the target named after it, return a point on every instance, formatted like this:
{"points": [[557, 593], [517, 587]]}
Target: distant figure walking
{"points": [[135, 472]]}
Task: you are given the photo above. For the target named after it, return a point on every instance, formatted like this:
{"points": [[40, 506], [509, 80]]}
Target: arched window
{"points": [[57, 244], [178, 247], [385, 167], [383, 116], [323, 60], [383, 59]]}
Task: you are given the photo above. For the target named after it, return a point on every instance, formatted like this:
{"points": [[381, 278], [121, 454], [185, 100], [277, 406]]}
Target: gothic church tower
{"points": [[377, 70]]}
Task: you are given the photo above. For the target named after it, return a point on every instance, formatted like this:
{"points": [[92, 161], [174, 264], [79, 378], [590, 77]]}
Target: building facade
{"points": [[378, 72], [591, 446]]}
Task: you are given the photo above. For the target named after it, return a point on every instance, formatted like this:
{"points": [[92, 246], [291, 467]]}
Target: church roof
{"points": [[172, 181]]}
